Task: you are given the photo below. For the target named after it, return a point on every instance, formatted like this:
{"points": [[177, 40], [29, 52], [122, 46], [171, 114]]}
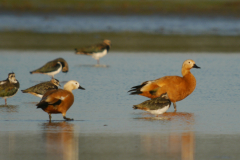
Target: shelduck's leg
{"points": [[50, 117], [68, 119], [175, 106]]}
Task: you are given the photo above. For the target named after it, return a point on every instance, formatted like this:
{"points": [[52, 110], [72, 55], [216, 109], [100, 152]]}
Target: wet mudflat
{"points": [[105, 126]]}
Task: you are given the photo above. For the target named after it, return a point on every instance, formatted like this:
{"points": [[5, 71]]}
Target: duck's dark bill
{"points": [[195, 66], [81, 88]]}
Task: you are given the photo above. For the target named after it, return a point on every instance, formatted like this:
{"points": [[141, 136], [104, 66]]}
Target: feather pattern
{"points": [[9, 87], [59, 100], [52, 67], [96, 51], [157, 105], [40, 89]]}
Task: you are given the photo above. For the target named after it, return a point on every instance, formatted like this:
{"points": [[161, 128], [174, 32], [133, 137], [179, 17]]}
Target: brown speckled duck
{"points": [[40, 89], [96, 51], [155, 106], [9, 87]]}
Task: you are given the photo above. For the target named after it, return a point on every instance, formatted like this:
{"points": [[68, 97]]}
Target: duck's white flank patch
{"points": [[3, 82], [39, 95], [62, 98], [144, 87], [98, 55], [160, 111]]}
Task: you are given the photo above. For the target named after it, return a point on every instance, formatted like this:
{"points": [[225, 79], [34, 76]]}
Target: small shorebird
{"points": [[155, 106], [58, 101], [53, 67], [96, 51], [9, 87], [40, 89], [176, 87]]}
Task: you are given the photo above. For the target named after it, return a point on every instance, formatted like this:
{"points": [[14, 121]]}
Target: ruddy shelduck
{"points": [[155, 106], [176, 87], [59, 100]]}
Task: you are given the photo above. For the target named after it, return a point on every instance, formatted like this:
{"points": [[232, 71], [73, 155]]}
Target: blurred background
{"points": [[33, 32], [131, 25]]}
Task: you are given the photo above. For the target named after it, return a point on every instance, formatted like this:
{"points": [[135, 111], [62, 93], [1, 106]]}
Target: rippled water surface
{"points": [[186, 25], [206, 125]]}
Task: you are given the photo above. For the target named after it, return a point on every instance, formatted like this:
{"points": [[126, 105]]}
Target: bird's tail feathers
{"points": [[23, 91], [137, 89]]}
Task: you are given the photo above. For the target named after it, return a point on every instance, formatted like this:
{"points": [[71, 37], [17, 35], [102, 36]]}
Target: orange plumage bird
{"points": [[58, 101], [176, 87]]}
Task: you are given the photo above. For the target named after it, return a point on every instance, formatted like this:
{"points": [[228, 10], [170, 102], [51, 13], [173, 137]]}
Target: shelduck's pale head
{"points": [[71, 85], [187, 65]]}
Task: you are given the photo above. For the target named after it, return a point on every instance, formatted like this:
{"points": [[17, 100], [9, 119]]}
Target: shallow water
{"points": [[183, 25], [105, 126]]}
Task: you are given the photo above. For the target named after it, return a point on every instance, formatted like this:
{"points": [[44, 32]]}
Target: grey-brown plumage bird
{"points": [[155, 106], [40, 89], [96, 51], [53, 67], [9, 87]]}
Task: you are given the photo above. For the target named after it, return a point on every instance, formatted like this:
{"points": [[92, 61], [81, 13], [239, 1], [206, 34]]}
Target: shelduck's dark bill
{"points": [[195, 66], [81, 88]]}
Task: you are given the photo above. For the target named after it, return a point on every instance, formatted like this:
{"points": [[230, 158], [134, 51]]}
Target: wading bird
{"points": [[58, 101], [176, 87]]}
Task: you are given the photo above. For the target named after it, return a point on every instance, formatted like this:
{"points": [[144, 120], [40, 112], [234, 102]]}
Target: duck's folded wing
{"points": [[7, 89], [149, 86], [93, 49], [42, 89], [168, 80], [144, 87], [48, 67], [49, 99]]}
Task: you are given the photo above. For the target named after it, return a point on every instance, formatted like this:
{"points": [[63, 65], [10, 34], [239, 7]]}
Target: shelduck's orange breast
{"points": [[184, 87]]}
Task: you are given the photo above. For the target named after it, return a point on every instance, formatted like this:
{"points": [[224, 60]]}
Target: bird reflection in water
{"points": [[9, 108], [176, 144], [61, 140]]}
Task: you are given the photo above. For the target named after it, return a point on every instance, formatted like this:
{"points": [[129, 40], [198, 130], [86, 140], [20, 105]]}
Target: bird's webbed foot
{"points": [[68, 119]]}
